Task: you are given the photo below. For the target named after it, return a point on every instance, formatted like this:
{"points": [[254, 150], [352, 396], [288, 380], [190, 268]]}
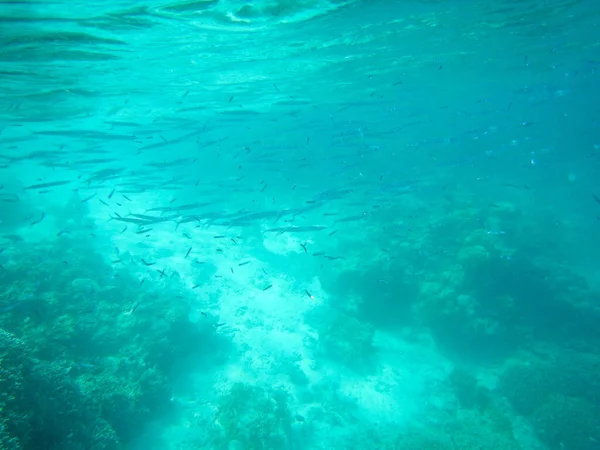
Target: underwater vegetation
{"points": [[91, 354], [487, 302], [483, 293], [254, 418], [559, 394], [42, 408], [93, 363]]}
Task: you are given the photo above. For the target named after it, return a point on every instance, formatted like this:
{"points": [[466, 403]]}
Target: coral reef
{"points": [[558, 396], [567, 422], [43, 408], [254, 418], [87, 354], [349, 341]]}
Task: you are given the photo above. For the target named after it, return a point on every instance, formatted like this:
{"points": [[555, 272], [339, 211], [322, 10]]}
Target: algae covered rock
{"points": [[253, 419], [84, 286], [559, 397], [415, 440], [41, 408], [565, 422], [468, 391], [469, 431], [347, 340], [530, 384]]}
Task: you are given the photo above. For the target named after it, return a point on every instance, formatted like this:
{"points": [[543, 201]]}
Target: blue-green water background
{"points": [[295, 224]]}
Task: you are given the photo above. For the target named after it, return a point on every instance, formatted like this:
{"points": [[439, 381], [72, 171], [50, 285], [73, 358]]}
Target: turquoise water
{"points": [[300, 224]]}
